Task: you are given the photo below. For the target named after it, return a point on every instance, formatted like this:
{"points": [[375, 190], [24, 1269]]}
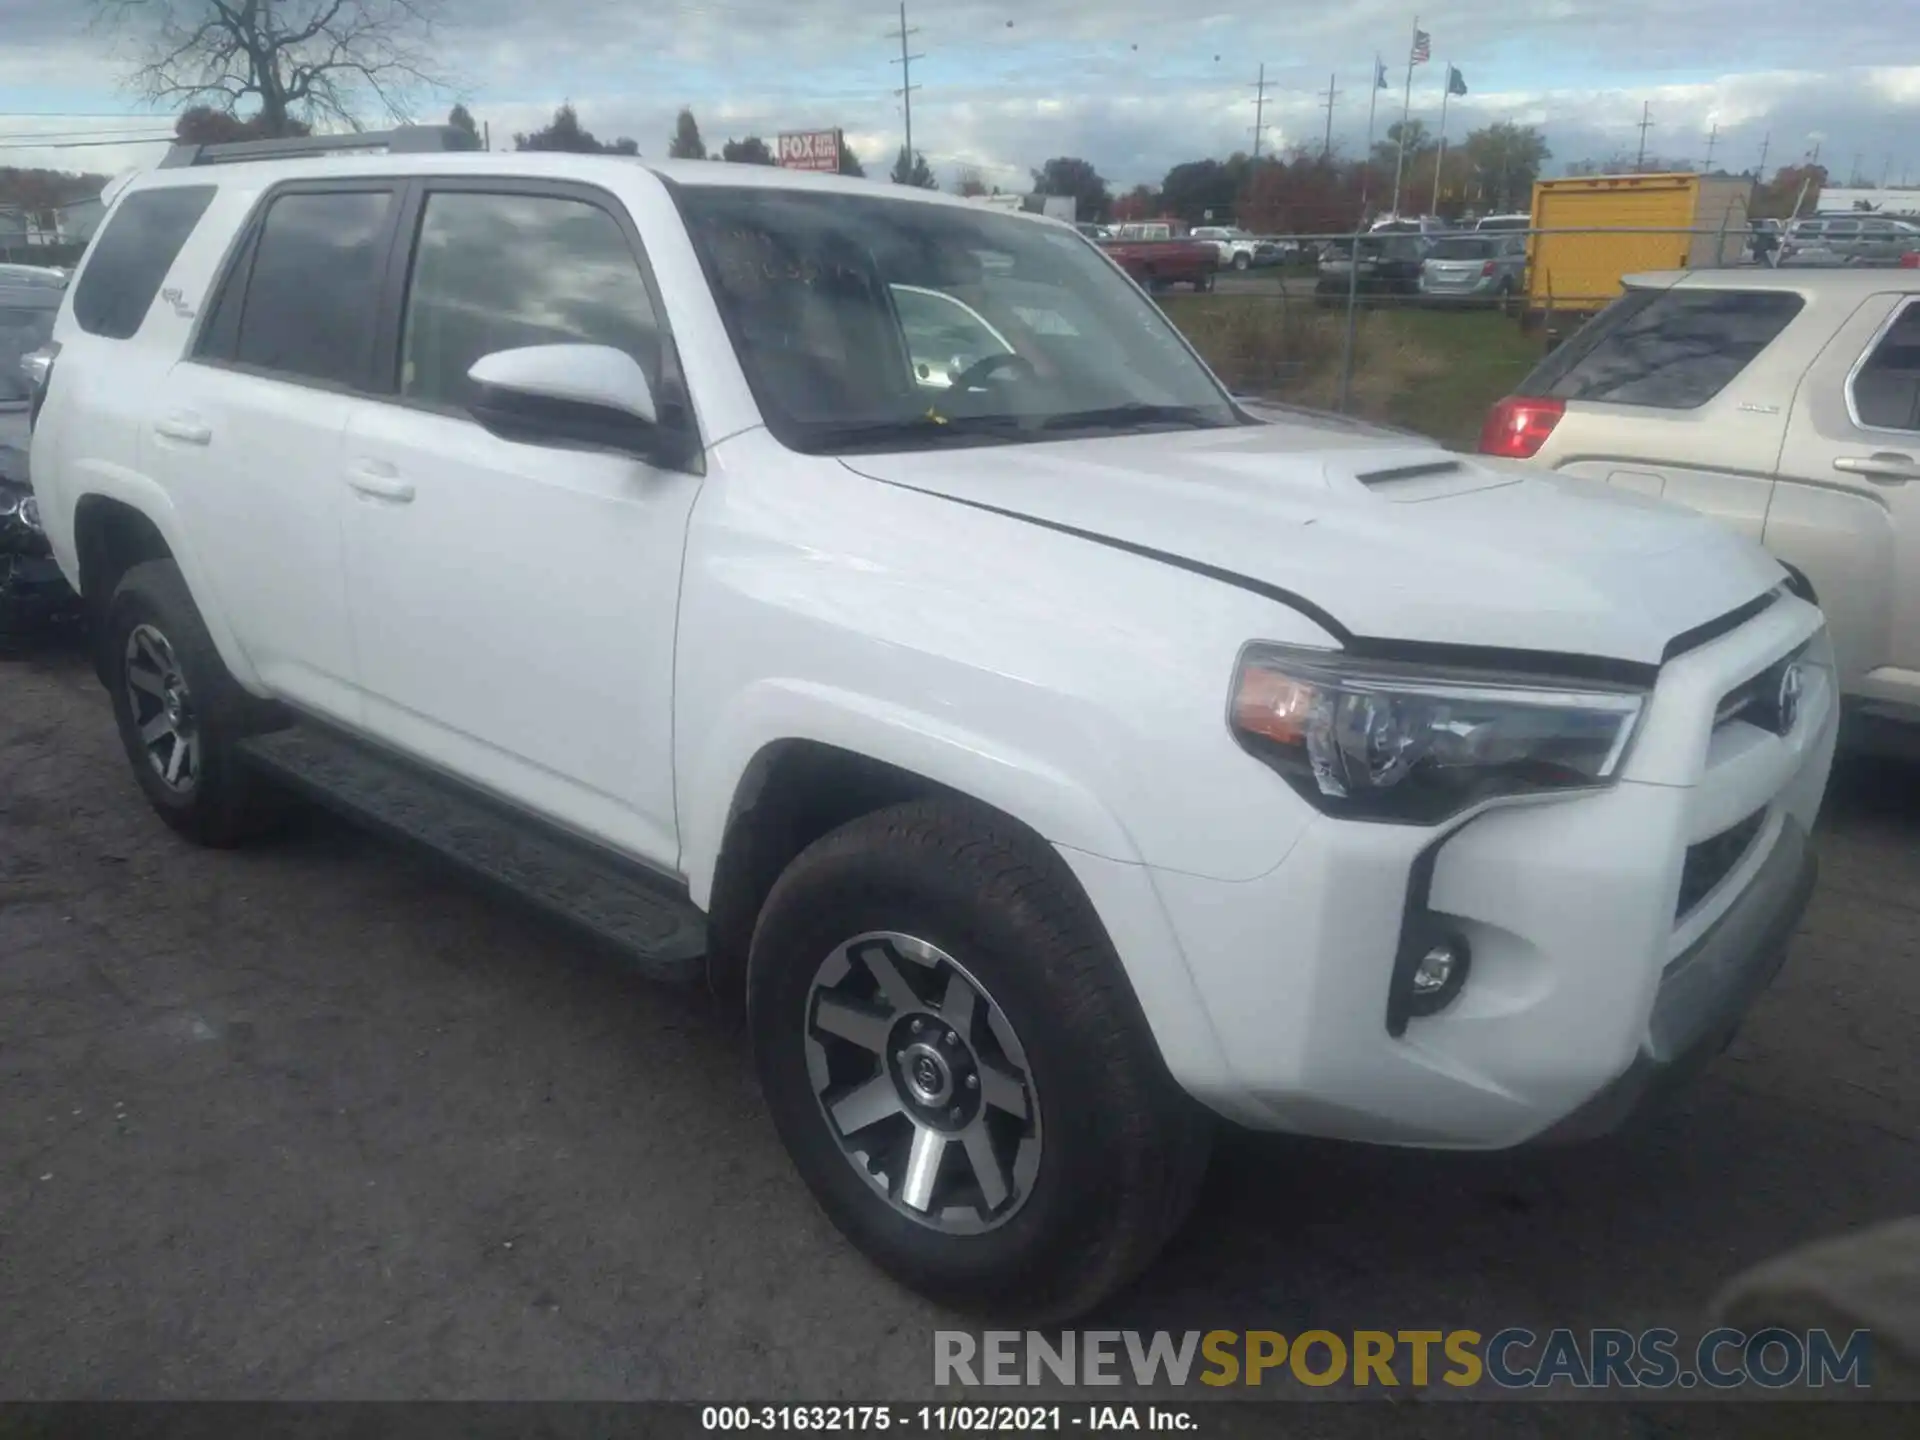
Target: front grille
{"points": [[1758, 701], [1713, 859]]}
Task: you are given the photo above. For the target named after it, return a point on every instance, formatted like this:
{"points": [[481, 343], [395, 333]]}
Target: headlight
{"points": [[1415, 744]]}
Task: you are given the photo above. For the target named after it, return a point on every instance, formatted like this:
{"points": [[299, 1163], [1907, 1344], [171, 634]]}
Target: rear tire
{"points": [[1203, 284], [181, 715], [1242, 262], [872, 933]]}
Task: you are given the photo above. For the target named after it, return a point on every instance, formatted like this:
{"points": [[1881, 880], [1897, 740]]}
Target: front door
{"points": [[514, 605], [1847, 507]]}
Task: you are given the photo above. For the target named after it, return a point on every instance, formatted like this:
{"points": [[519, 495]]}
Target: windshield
{"points": [[866, 323], [1461, 250], [23, 330]]}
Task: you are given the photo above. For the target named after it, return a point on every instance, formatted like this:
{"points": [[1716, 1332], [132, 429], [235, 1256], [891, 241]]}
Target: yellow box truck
{"points": [[1616, 225]]}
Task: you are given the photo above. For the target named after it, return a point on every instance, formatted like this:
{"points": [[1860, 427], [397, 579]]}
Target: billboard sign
{"points": [[810, 150]]}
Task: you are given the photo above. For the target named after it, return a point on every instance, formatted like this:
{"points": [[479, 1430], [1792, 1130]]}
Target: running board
{"points": [[611, 899]]}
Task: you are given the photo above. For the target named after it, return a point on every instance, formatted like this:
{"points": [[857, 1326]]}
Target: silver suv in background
{"points": [[1785, 403], [1239, 249], [1476, 269], [1849, 240]]}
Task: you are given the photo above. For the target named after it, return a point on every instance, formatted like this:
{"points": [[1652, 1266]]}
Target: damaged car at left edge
{"points": [[33, 594]]}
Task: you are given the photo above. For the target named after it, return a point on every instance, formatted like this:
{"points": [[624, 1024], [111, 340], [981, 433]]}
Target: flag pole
{"points": [[1446, 93], [1366, 161], [1406, 109]]}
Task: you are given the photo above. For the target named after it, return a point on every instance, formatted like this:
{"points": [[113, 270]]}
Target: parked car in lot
{"points": [[1389, 264], [1158, 256], [1785, 403], [32, 590], [1522, 221], [33, 277], [1238, 249], [1489, 269], [593, 522], [1839, 240]]}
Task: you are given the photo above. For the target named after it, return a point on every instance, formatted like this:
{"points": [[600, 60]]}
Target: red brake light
{"points": [[1910, 260], [1487, 268], [1517, 427]]}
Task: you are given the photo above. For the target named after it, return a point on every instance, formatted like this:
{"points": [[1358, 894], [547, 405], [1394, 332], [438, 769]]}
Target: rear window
{"points": [[132, 256], [1461, 250], [1666, 349]]}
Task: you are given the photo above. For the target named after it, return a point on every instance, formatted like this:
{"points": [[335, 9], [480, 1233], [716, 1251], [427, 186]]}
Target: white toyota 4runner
{"points": [[868, 601]]}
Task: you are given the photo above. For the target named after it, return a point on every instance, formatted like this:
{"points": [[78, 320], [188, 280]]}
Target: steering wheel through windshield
{"points": [[971, 377]]}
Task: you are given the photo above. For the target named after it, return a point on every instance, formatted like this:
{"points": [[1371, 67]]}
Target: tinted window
{"points": [[1461, 249], [315, 285], [1886, 391], [1670, 349], [497, 272], [132, 255]]}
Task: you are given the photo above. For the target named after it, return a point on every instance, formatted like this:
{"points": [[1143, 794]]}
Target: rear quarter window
{"points": [[131, 258], [1665, 349]]}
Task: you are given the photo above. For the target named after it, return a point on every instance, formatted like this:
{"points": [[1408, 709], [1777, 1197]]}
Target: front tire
{"points": [[1242, 262], [181, 715], [959, 1069]]}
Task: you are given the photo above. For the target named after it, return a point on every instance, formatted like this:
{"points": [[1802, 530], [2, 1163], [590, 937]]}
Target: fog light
{"points": [[1438, 976]]}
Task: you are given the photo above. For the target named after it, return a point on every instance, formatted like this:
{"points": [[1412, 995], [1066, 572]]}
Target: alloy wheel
{"points": [[162, 709], [923, 1083]]}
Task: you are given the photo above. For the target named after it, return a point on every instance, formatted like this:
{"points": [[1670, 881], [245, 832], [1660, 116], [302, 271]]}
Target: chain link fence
{"points": [[1328, 319]]}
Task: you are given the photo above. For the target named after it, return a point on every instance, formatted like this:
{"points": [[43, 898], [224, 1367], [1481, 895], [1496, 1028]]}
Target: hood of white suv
{"points": [[1390, 539]]}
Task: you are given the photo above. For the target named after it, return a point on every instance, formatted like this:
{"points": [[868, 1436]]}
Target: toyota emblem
{"points": [[1787, 702]]}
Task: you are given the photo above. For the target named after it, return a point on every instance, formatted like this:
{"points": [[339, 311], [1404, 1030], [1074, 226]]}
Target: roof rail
{"points": [[401, 140]]}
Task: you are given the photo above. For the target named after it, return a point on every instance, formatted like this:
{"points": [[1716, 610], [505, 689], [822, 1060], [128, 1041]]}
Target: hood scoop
{"points": [[1429, 480]]}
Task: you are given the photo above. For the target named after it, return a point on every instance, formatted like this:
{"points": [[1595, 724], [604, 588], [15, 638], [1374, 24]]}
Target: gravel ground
{"points": [[316, 1120]]}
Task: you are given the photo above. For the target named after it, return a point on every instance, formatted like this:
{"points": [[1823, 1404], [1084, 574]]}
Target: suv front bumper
{"points": [[1591, 978]]}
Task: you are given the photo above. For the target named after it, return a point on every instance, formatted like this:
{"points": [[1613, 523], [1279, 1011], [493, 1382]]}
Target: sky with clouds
{"points": [[1133, 85]]}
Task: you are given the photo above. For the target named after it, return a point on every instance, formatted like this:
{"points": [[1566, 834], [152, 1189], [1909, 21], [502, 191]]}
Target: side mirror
{"points": [[590, 397]]}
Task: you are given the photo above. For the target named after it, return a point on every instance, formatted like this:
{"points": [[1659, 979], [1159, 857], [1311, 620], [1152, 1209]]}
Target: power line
{"points": [[907, 87], [166, 139]]}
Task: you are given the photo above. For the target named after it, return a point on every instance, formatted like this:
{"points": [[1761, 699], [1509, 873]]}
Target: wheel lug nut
{"points": [[949, 1039], [954, 1113], [973, 1082], [900, 1058], [917, 1026]]}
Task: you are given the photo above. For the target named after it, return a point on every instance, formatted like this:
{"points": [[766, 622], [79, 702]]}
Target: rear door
{"points": [[1680, 393], [1847, 511], [249, 429]]}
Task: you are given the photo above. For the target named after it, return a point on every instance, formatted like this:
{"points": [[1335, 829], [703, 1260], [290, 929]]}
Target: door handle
{"points": [[380, 480], [187, 429], [1889, 467]]}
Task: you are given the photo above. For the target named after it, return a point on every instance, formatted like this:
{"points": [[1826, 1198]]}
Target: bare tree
{"points": [[291, 60]]}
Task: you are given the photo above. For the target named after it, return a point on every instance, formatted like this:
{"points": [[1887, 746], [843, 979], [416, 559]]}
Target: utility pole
{"points": [[1886, 167], [1646, 123], [1713, 135], [907, 87], [1853, 175], [1326, 146], [1259, 88], [486, 135], [1760, 176]]}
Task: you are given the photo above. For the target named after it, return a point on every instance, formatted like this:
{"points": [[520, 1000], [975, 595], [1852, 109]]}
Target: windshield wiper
{"points": [[1122, 417], [921, 429]]}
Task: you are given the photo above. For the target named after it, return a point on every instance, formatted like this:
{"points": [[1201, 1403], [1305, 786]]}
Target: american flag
{"points": [[1422, 48]]}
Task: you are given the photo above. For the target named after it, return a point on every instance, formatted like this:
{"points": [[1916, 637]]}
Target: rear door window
{"points": [[1884, 392], [313, 286], [1665, 349], [132, 256]]}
